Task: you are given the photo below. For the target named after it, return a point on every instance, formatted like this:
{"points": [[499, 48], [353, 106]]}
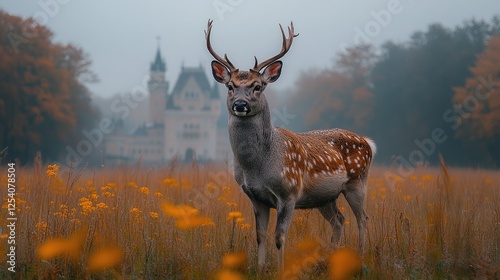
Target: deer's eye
{"points": [[230, 88], [257, 88]]}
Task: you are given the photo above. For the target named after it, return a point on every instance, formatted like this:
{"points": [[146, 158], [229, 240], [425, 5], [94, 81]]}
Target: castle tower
{"points": [[158, 88]]}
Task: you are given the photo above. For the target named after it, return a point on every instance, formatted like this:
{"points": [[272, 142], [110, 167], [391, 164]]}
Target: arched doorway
{"points": [[189, 155]]}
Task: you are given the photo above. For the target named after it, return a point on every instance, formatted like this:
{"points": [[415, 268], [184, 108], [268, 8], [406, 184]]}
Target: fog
{"points": [[121, 36]]}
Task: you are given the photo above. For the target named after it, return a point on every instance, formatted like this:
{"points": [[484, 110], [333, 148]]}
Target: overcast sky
{"points": [[120, 36]]}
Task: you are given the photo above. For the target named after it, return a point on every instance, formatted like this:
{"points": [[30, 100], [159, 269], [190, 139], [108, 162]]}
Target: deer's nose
{"points": [[240, 106]]}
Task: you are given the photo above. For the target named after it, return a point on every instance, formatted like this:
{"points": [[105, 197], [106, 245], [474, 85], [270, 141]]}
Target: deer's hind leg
{"points": [[336, 219], [355, 193]]}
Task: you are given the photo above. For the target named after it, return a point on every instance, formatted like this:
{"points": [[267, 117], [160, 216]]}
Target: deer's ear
{"points": [[220, 72], [272, 72]]}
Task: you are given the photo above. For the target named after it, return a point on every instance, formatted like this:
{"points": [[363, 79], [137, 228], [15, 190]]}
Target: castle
{"points": [[188, 122]]}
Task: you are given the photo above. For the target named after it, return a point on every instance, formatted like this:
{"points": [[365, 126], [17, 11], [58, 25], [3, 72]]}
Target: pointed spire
{"points": [[158, 65]]}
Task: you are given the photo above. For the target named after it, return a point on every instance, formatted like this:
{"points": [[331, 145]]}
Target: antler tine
{"points": [[287, 43], [225, 61]]}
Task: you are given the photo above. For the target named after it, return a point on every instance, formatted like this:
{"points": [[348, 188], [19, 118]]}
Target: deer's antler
{"points": [[287, 43], [225, 61]]}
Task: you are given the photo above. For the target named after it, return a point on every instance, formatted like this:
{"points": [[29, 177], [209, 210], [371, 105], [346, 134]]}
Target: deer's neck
{"points": [[251, 138]]}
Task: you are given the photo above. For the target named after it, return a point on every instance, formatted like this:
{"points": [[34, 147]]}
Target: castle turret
{"points": [[158, 88]]}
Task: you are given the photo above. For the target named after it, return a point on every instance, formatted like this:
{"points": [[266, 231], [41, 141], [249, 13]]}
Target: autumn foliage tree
{"points": [[404, 96], [337, 97], [479, 100], [44, 103]]}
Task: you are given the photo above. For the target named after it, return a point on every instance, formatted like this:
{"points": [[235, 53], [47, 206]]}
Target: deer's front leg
{"points": [[285, 213], [261, 212]]}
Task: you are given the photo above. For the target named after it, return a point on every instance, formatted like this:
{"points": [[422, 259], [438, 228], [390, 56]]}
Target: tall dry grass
{"points": [[193, 222]]}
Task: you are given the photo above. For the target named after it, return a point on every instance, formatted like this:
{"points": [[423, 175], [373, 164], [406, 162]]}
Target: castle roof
{"points": [[197, 74], [158, 65], [200, 78]]}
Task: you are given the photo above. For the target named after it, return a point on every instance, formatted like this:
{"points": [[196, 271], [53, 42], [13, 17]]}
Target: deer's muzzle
{"points": [[240, 108]]}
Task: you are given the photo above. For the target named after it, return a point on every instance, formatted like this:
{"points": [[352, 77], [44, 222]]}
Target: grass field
{"points": [[193, 222]]}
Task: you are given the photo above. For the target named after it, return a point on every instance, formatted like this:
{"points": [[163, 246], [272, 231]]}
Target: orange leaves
{"points": [[193, 222], [479, 98], [344, 264], [69, 247], [306, 254], [186, 216], [104, 258], [178, 211], [232, 266], [235, 260], [49, 88]]}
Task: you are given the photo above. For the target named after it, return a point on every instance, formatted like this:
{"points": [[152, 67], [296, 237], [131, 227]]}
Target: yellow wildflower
{"points": [[101, 206], [233, 215], [427, 177], [144, 190], [171, 182], [41, 225], [185, 184], [154, 215], [52, 170], [158, 194], [232, 204], [108, 194], [94, 196], [135, 210], [245, 226], [226, 190], [63, 211], [211, 187], [87, 205]]}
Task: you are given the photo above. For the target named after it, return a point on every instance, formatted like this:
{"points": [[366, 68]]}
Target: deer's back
{"points": [[314, 155]]}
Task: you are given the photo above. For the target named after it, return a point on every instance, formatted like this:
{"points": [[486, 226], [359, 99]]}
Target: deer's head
{"points": [[245, 88]]}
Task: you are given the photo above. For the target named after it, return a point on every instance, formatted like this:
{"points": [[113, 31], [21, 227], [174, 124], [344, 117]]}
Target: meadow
{"points": [[193, 222]]}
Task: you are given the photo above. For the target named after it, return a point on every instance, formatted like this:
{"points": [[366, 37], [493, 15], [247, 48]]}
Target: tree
{"points": [[44, 103], [413, 88], [478, 104], [340, 96]]}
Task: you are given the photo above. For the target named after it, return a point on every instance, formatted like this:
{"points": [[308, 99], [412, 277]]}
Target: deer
{"points": [[277, 168]]}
